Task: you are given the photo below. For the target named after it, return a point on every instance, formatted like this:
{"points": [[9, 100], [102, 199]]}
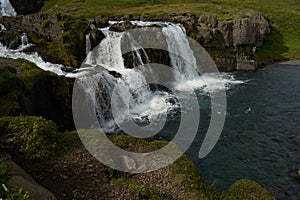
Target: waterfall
{"points": [[32, 57], [181, 55], [105, 68], [143, 103], [109, 57], [2, 27], [7, 9], [88, 45], [24, 40]]}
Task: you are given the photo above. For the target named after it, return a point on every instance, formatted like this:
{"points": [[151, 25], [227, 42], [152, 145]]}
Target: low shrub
{"points": [[36, 137]]}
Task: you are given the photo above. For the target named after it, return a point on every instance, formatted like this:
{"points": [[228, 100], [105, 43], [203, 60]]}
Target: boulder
{"points": [[208, 21], [187, 21], [46, 25], [121, 27], [96, 36], [100, 21], [50, 97], [251, 30], [11, 38], [21, 179], [246, 64]]}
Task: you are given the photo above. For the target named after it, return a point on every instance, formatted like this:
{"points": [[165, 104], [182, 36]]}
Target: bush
{"points": [[187, 175], [9, 80], [247, 189], [36, 137]]}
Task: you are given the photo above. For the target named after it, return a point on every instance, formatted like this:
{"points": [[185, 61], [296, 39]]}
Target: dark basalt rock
{"points": [[28, 90], [232, 44], [46, 25], [121, 27], [10, 38], [96, 36], [115, 74], [24, 7], [57, 38], [99, 21], [45, 99], [208, 20]]}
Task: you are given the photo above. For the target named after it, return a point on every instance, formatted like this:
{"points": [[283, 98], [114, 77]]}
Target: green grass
{"points": [[284, 16], [246, 189]]}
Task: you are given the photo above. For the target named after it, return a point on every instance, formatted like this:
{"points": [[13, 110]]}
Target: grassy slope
{"points": [[284, 16]]}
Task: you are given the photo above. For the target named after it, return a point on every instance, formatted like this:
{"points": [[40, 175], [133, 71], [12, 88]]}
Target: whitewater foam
{"points": [[33, 57], [209, 83]]}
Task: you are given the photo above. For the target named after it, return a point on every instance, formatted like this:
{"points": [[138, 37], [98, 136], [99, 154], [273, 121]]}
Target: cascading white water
{"points": [[181, 55], [88, 45], [24, 40], [7, 9], [109, 56], [106, 61], [32, 57], [2, 27]]}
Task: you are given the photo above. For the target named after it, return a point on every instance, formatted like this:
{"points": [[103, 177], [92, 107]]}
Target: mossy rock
{"points": [[247, 190], [187, 175], [26, 89]]}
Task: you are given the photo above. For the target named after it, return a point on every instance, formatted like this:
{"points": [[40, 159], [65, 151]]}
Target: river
{"points": [[261, 137]]}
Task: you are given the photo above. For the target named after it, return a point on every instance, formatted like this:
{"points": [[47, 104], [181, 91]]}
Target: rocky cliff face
{"points": [[232, 44], [28, 90], [57, 38], [50, 97]]}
